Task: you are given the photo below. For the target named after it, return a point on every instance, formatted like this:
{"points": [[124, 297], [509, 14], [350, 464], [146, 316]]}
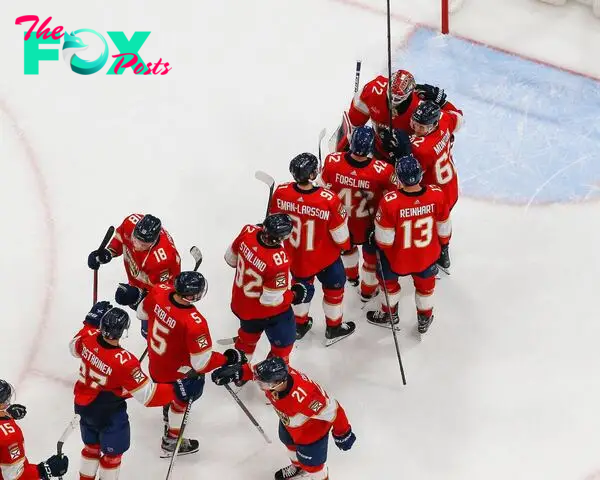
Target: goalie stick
{"points": [[197, 254], [63, 438], [345, 126], [107, 236]]}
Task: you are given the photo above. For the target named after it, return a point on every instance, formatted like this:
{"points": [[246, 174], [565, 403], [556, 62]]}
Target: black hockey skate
{"points": [[187, 446], [382, 319], [424, 322], [444, 261], [303, 328], [335, 334], [291, 471], [355, 282]]}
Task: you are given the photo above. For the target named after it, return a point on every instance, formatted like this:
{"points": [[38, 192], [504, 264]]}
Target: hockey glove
{"points": [[303, 293], [96, 313], [188, 389], [128, 295], [227, 374], [345, 442], [17, 411], [388, 139], [235, 357], [55, 466], [99, 257], [429, 92]]}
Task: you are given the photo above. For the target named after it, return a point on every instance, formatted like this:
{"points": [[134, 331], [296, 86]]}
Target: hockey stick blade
{"points": [[322, 134], [265, 178], [197, 254], [109, 233], [227, 341], [63, 438]]}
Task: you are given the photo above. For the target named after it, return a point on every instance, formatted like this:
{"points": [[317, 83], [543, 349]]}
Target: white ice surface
{"points": [[505, 384]]}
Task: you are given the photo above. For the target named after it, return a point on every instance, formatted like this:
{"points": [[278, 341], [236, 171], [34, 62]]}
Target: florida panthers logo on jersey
{"points": [[285, 419], [15, 452]]}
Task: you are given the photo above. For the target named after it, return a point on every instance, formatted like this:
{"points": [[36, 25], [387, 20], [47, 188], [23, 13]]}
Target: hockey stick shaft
{"points": [[389, 62], [248, 414], [386, 293], [197, 254], [322, 134], [179, 438], [357, 76], [107, 236], [67, 432]]}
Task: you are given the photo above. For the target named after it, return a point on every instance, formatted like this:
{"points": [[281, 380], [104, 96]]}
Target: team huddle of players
{"points": [[387, 192]]}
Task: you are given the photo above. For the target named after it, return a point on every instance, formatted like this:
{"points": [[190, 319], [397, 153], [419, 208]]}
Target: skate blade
{"points": [[331, 341], [227, 341], [443, 270], [166, 454], [387, 325]]}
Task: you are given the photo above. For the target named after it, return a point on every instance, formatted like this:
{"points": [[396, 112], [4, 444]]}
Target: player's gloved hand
{"points": [[144, 328], [55, 466], [96, 313], [189, 388], [388, 139], [235, 357], [128, 295], [227, 374], [430, 92], [99, 257], [345, 442], [17, 411], [303, 293]]}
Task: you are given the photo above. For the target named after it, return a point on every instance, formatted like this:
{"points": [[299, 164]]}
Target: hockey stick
{"points": [[335, 138], [179, 438], [322, 134], [248, 414], [270, 182], [387, 296], [105, 240], [63, 438], [197, 254]]}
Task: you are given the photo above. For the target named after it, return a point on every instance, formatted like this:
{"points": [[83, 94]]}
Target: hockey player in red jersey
{"points": [[411, 225], [149, 255], [371, 103], [307, 415], [432, 140], [261, 297], [108, 376], [320, 235], [179, 341], [13, 462], [360, 181]]}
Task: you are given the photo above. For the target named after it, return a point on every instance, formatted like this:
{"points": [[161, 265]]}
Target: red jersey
{"points": [[320, 227], [13, 462], [372, 103], [145, 268], [108, 368], [434, 152], [178, 337], [410, 228], [305, 409], [261, 286], [360, 186]]}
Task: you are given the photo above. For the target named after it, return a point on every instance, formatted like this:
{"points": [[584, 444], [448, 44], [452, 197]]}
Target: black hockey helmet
{"points": [[147, 229], [277, 227], [362, 141], [408, 170], [191, 284], [7, 394], [427, 114], [271, 372], [113, 323], [303, 167]]}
